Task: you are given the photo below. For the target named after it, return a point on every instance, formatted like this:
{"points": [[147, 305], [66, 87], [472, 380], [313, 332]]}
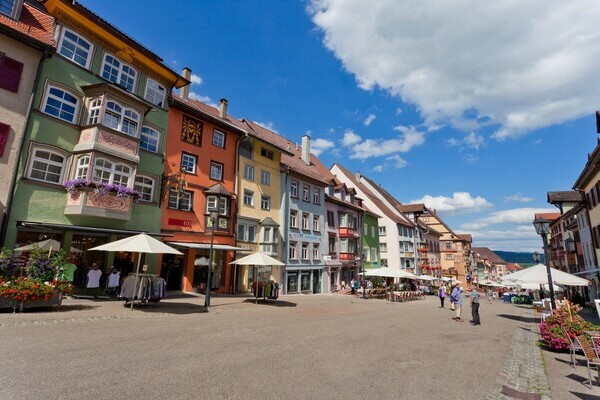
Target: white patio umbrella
{"points": [[390, 273], [259, 259], [490, 283], [141, 243], [426, 277], [538, 275], [46, 245]]}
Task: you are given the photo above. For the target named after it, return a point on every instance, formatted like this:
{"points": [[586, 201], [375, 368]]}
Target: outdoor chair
{"points": [[573, 345], [590, 357]]}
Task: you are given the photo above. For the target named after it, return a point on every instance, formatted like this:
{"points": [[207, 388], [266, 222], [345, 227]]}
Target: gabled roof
{"points": [[592, 167], [34, 25], [549, 216], [466, 237], [570, 196], [378, 203], [260, 132], [208, 112], [485, 253], [433, 214], [418, 208]]}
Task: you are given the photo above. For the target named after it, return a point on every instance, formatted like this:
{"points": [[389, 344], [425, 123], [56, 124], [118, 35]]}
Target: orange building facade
{"points": [[200, 167]]}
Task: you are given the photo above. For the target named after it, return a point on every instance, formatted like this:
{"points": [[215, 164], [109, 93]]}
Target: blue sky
{"points": [[476, 109]]}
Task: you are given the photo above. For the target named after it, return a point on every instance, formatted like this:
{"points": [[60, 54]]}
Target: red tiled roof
{"points": [[210, 112], [465, 236], [485, 253], [33, 23], [549, 216]]}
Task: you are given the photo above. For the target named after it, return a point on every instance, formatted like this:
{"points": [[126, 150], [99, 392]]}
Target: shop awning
{"points": [[206, 246], [45, 226]]}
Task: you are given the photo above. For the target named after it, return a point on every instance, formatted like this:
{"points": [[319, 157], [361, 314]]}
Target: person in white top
{"points": [[93, 275]]}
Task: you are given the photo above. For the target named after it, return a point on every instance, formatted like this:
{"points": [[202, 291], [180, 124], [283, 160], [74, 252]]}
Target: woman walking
{"points": [[442, 295]]}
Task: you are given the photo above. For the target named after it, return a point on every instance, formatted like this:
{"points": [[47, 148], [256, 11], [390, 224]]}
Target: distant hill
{"points": [[515, 257]]}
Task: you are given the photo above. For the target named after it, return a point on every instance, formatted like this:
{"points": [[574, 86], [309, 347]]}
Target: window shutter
{"points": [[10, 73], [4, 131]]}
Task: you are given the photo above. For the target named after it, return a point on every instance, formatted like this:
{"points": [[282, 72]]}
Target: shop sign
{"points": [[180, 222], [306, 236]]}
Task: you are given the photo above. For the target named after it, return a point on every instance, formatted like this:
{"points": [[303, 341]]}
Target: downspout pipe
{"points": [[286, 210]]}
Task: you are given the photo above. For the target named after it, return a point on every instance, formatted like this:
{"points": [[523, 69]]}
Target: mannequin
{"points": [[114, 278], [94, 275]]}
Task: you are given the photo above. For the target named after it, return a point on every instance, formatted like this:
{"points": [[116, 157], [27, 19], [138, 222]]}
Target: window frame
{"points": [[265, 174], [264, 152], [14, 12], [293, 250], [122, 117], [90, 54], [248, 194], [304, 253], [316, 196], [305, 193], [223, 204], [144, 135], [188, 156], [316, 225], [31, 159], [293, 218], [156, 92], [144, 184], [120, 73], [265, 202], [112, 171], [222, 170], [186, 193], [48, 95], [249, 172], [305, 221], [294, 189], [215, 132], [315, 252]]}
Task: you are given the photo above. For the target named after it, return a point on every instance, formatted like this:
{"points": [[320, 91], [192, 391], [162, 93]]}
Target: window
{"points": [[344, 223], [294, 189], [10, 72], [121, 118], [46, 165], [83, 167], [448, 256], [265, 177], [189, 162], [249, 172], [216, 171], [150, 139], [332, 244], [9, 8], [75, 48], [107, 172], [382, 247], [293, 252], [372, 231], [145, 187], [330, 219], [246, 232], [211, 204], [305, 251], [365, 229], [265, 202], [180, 201], [316, 196], [344, 245], [218, 139], [269, 242], [316, 255], [305, 217], [266, 153], [115, 71], [305, 193], [316, 223], [248, 198], [382, 231], [373, 254], [293, 218], [246, 149], [155, 92], [60, 104], [95, 108]]}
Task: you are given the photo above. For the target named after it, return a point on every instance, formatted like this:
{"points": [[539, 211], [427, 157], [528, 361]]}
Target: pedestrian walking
{"points": [[452, 300], [490, 295], [475, 307], [456, 297], [442, 295]]}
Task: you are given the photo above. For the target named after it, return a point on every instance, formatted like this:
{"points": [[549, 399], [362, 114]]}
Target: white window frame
{"points": [[293, 251], [249, 172], [150, 136], [294, 218], [186, 160], [305, 193], [382, 247], [316, 223], [265, 177], [121, 76], [113, 169], [382, 231], [215, 138], [248, 198], [304, 251], [316, 196], [315, 252], [294, 189], [63, 102], [219, 167], [13, 10], [180, 199], [126, 117], [82, 170], [155, 93], [145, 186], [211, 202], [33, 158], [305, 221], [265, 202], [78, 48], [245, 230]]}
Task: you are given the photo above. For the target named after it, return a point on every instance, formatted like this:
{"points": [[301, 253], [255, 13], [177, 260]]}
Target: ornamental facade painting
{"points": [[191, 131]]}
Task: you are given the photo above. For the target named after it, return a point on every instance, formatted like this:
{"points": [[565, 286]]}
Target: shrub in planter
{"points": [[564, 316]]}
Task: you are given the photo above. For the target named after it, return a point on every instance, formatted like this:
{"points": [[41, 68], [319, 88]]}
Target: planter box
{"points": [[21, 305]]}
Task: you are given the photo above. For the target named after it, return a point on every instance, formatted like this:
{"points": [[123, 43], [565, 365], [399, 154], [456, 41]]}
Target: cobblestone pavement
{"points": [[334, 342]]}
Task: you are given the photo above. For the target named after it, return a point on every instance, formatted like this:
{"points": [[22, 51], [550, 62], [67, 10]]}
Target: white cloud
{"points": [[196, 79], [474, 141], [399, 111], [538, 141], [350, 138], [459, 203], [453, 142], [512, 216], [518, 197], [409, 137], [542, 70], [378, 168], [369, 119], [471, 158], [318, 146], [398, 161]]}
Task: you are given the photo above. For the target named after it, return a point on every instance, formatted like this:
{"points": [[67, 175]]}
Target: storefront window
{"points": [[305, 281], [292, 282]]}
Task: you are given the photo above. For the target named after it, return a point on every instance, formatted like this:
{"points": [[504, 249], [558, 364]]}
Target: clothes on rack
{"points": [[93, 278], [143, 288], [114, 279], [268, 290]]}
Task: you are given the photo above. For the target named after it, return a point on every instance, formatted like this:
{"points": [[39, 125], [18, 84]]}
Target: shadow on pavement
{"points": [[166, 308], [518, 318], [274, 303], [585, 396], [50, 309]]}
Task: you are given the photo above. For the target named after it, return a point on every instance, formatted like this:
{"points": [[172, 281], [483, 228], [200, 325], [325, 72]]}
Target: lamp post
{"points": [[542, 227], [213, 217]]}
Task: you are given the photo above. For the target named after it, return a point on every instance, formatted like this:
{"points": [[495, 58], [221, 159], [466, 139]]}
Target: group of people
{"points": [[456, 301]]}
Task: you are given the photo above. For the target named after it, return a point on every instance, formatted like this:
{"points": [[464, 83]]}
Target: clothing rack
{"points": [[142, 289], [265, 290]]}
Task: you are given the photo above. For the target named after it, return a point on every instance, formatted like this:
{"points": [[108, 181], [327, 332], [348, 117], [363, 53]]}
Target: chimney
{"points": [[357, 175], [223, 108], [185, 91], [306, 149]]}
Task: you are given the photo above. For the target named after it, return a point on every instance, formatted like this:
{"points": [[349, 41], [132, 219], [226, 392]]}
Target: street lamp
{"points": [[542, 227]]}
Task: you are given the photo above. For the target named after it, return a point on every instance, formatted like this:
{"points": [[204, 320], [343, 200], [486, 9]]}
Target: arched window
{"points": [[83, 167], [121, 119], [109, 173], [145, 187]]}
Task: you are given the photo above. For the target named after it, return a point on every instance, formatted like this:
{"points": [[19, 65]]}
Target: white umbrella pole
{"points": [[136, 278]]}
